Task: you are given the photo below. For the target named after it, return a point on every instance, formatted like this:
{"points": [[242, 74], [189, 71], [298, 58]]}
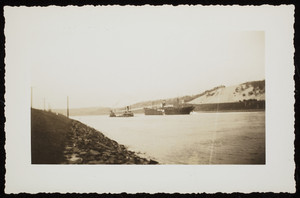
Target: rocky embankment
{"points": [[86, 145]]}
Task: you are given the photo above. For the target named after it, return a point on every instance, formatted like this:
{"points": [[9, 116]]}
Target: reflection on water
{"points": [[199, 138]]}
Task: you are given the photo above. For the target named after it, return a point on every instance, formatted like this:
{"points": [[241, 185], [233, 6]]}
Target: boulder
{"points": [[83, 153], [93, 152], [75, 159], [153, 162]]}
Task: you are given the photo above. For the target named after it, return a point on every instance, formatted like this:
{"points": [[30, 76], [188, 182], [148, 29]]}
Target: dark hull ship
{"points": [[151, 111], [178, 110]]}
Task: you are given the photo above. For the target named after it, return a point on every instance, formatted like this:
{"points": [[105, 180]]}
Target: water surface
{"points": [[199, 138]]}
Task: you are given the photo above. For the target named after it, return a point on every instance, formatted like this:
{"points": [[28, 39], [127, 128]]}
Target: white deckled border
{"points": [[276, 176]]}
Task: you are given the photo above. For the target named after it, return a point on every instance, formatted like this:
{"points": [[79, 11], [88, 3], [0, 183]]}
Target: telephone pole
{"points": [[44, 104], [31, 97], [49, 107], [67, 106]]}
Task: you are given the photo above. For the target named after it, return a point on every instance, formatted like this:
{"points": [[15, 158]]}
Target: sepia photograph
{"points": [[169, 93], [134, 90]]}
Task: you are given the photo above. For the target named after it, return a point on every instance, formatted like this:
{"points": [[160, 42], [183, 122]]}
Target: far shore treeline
{"points": [[249, 96]]}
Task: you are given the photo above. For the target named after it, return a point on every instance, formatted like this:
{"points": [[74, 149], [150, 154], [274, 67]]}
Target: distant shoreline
{"points": [[241, 106], [241, 110], [199, 111]]}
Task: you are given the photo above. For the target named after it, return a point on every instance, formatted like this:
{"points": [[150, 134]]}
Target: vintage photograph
{"points": [[174, 99], [143, 88]]}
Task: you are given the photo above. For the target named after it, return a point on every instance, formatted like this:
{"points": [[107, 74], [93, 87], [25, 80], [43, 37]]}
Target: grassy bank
{"points": [[48, 136], [55, 139]]}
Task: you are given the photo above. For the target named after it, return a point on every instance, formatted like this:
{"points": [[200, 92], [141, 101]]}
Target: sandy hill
{"points": [[254, 90]]}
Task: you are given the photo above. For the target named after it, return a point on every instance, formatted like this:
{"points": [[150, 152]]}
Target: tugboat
{"points": [[126, 113], [112, 114]]}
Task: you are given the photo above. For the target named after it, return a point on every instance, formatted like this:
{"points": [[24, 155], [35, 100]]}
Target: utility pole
{"points": [[67, 106], [49, 107], [31, 97]]}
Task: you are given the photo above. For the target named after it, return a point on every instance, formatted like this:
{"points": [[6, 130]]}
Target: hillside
{"points": [[251, 93], [56, 139], [254, 90]]}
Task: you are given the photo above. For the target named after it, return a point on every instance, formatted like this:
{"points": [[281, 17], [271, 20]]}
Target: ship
{"points": [[126, 113], [112, 114], [153, 111], [177, 109]]}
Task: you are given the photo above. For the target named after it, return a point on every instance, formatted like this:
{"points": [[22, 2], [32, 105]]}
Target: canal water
{"points": [[199, 138]]}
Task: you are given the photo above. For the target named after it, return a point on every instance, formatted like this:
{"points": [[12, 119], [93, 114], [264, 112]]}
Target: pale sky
{"points": [[116, 56]]}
